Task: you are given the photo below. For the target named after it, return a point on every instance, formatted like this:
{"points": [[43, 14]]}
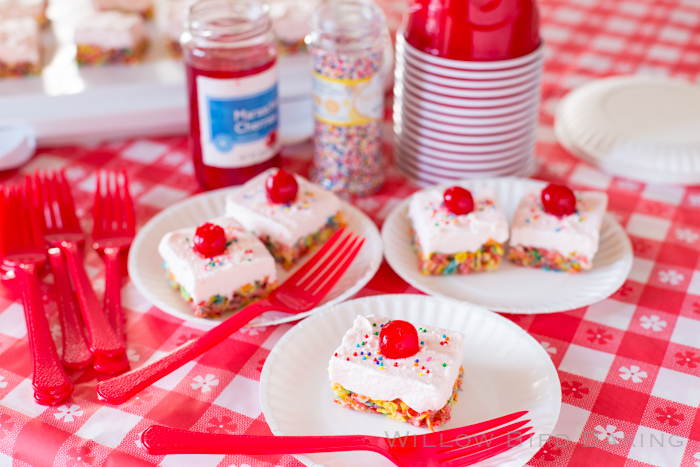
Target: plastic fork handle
{"points": [[123, 387], [76, 352], [103, 339], [160, 440], [49, 375], [113, 290]]}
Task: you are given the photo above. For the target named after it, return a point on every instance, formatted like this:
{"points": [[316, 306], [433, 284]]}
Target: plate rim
{"points": [[593, 155], [471, 307], [628, 255], [134, 274]]}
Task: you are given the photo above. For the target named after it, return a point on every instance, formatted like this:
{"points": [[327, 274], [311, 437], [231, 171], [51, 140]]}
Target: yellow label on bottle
{"points": [[348, 102]]}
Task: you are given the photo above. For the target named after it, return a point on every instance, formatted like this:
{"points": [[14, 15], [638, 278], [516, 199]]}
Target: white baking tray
{"points": [[68, 104]]}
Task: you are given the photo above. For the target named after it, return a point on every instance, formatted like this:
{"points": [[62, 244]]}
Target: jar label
{"points": [[238, 119], [348, 102]]}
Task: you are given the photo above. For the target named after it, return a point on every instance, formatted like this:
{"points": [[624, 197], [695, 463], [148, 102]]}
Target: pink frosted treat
{"points": [[24, 8], [175, 26], [110, 37], [374, 371], [562, 238], [19, 47], [289, 229], [449, 242], [216, 278], [142, 7]]}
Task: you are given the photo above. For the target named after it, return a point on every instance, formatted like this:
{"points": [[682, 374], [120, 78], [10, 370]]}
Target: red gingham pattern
{"points": [[629, 365]]}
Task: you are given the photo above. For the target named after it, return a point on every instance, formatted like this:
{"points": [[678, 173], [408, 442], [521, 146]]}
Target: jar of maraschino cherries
{"points": [[230, 56], [346, 44]]}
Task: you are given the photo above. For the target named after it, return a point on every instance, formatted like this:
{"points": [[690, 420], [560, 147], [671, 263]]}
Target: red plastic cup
{"points": [[473, 30]]}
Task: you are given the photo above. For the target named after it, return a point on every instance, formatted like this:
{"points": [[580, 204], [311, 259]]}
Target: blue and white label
{"points": [[238, 119]]}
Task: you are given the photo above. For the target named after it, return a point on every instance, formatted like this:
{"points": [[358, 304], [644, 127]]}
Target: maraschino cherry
{"points": [[209, 240], [558, 200], [281, 188], [398, 339], [458, 200]]}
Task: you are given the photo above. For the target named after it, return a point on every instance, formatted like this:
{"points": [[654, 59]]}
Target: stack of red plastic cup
{"points": [[467, 87]]}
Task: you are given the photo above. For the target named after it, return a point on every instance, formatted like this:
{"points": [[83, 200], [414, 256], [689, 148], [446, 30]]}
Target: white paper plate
{"points": [[459, 130], [408, 147], [518, 89], [421, 164], [429, 173], [505, 111], [506, 371], [637, 127], [502, 145], [425, 179], [464, 102], [463, 136], [418, 158], [463, 121], [486, 65], [464, 83], [468, 76], [511, 288], [473, 130], [146, 265]]}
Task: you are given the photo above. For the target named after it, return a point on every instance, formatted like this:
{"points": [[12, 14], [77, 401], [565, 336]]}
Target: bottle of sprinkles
{"points": [[346, 43]]}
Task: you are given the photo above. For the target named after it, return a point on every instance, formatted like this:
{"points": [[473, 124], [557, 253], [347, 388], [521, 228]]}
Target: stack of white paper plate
{"points": [[464, 119], [636, 127]]}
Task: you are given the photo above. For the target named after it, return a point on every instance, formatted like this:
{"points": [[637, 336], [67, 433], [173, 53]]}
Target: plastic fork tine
{"points": [[481, 427], [53, 202], [340, 270], [8, 236], [297, 276], [128, 206], [15, 213], [35, 221], [485, 454], [318, 273], [68, 216], [42, 201], [106, 205], [112, 217], [97, 214], [479, 436], [469, 445], [117, 203], [321, 274], [21, 232]]}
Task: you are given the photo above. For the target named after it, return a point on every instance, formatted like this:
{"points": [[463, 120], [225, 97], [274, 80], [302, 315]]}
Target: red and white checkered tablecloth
{"points": [[629, 365]]}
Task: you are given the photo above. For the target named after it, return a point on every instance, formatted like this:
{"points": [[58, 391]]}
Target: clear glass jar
{"points": [[230, 55], [346, 43]]}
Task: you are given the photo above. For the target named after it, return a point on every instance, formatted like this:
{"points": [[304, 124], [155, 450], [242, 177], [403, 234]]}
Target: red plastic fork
{"points": [[301, 292], [52, 195], [112, 232], [450, 448], [22, 251]]}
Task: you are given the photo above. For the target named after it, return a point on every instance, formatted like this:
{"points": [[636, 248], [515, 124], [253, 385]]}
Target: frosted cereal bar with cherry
{"points": [[287, 212], [457, 231], [391, 367], [110, 37], [217, 267], [557, 229], [19, 47]]}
